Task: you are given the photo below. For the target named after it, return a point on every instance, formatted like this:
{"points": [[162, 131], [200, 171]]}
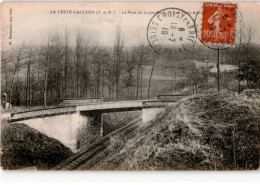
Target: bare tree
{"points": [[28, 77], [79, 42], [18, 58], [6, 58], [46, 63], [57, 57], [245, 53], [66, 60], [109, 68], [129, 66], [141, 54], [86, 73], [154, 55], [118, 50]]}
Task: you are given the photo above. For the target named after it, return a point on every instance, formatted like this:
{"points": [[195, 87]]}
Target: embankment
{"points": [[213, 131], [24, 147]]}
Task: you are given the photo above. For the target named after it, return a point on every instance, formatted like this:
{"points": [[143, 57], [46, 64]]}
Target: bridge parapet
{"points": [[110, 105], [81, 101], [18, 116]]}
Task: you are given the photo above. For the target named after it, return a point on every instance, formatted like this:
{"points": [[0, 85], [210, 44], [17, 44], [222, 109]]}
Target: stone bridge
{"points": [[66, 123]]}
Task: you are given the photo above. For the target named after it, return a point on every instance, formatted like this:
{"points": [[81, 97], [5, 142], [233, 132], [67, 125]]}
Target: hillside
{"points": [[202, 132], [25, 147]]}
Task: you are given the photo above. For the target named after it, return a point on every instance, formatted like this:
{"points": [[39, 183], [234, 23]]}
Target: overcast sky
{"points": [[32, 21]]}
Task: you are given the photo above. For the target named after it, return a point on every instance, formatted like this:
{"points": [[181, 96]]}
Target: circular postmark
{"points": [[171, 29], [216, 25]]}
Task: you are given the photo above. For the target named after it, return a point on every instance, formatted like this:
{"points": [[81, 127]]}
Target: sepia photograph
{"points": [[130, 86]]}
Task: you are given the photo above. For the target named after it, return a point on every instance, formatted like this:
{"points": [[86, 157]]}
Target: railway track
{"points": [[89, 151]]}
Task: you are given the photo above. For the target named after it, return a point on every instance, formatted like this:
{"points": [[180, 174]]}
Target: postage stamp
{"points": [[171, 29], [218, 23]]}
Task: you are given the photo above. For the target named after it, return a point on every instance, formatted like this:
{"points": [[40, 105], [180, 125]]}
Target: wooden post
{"points": [[218, 68], [207, 83]]}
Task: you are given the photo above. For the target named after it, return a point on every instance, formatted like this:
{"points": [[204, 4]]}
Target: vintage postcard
{"points": [[130, 86]]}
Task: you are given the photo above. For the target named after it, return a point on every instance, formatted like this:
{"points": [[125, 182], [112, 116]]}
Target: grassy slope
{"points": [[24, 147], [202, 132]]}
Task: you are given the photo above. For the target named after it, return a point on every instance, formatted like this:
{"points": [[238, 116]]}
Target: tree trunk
{"points": [[27, 86], [45, 89], [77, 73], [137, 82], [150, 79], [117, 75], [29, 83]]}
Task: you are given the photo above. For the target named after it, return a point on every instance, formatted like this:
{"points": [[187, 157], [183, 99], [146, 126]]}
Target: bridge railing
{"points": [[81, 101], [108, 105], [43, 112]]}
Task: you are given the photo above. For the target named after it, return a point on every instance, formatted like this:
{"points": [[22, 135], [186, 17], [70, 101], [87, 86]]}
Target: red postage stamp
{"points": [[218, 23]]}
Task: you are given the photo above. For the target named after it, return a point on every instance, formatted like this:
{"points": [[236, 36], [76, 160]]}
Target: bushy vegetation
{"points": [[202, 132], [25, 147], [116, 120]]}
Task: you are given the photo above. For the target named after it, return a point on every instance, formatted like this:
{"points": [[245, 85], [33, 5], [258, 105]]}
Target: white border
{"points": [[132, 178]]}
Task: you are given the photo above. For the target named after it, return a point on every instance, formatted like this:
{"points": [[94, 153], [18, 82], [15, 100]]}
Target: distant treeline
{"points": [[64, 67]]}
